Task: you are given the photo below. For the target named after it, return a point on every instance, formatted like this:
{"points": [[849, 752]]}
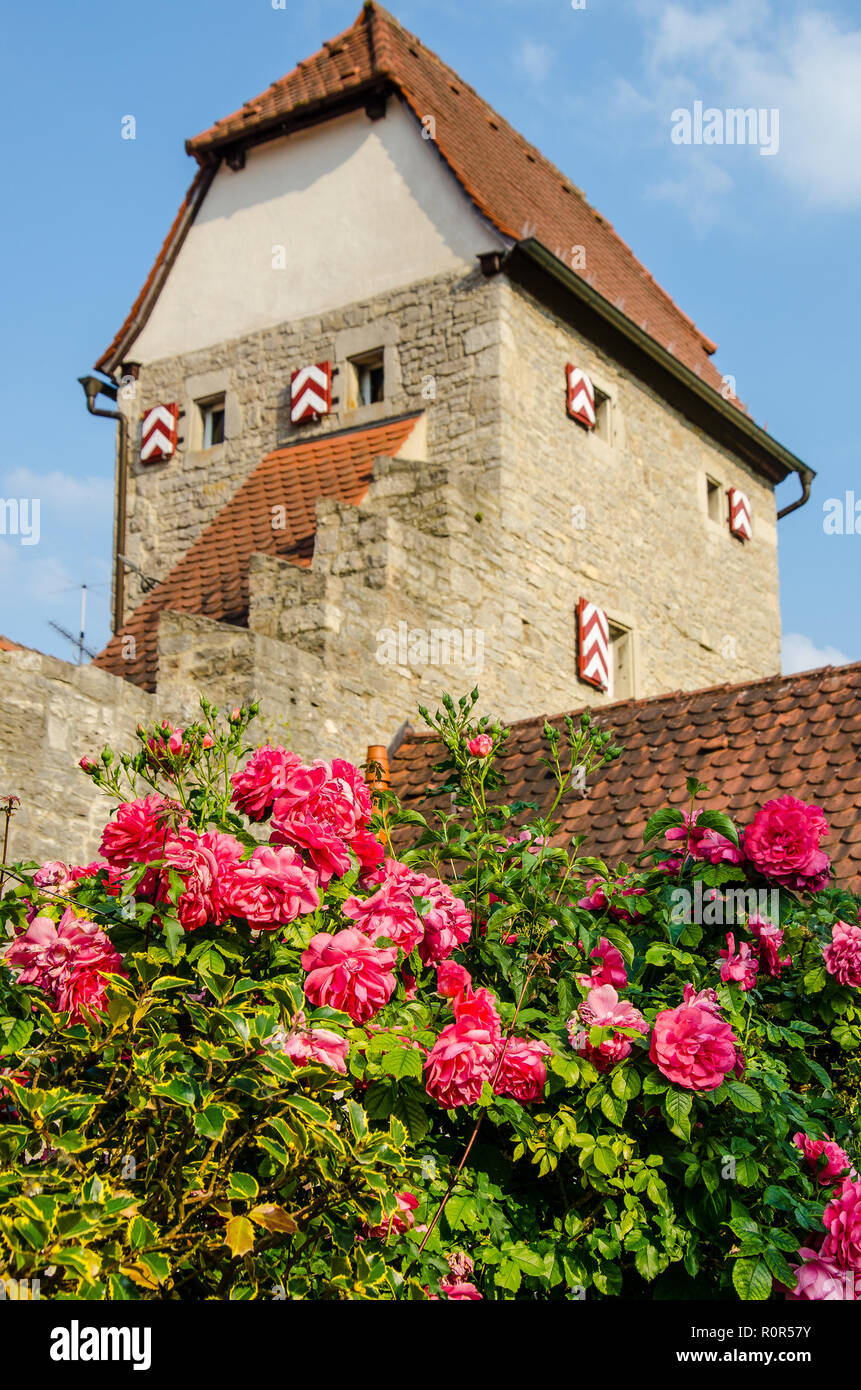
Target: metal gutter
{"points": [[784, 461]]}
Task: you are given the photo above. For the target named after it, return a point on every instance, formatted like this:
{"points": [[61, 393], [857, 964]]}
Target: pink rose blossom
{"points": [[603, 1008], [271, 888], [271, 773], [693, 1046], [458, 1064], [523, 1072], [769, 939], [139, 832], [346, 971], [843, 954], [457, 1292], [452, 979], [596, 898], [367, 849], [478, 1010], [303, 1044], [480, 746], [67, 960], [783, 844], [401, 1219], [204, 862], [388, 912], [460, 1265], [612, 969], [741, 967], [324, 849], [701, 843], [837, 1159], [842, 1222], [821, 1280]]}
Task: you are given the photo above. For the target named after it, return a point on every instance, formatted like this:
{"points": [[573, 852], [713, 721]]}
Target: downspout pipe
{"points": [[93, 388], [806, 476]]}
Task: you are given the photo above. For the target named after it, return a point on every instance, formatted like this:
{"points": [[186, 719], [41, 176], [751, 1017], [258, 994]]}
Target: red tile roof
{"points": [[212, 576], [519, 191], [748, 743]]}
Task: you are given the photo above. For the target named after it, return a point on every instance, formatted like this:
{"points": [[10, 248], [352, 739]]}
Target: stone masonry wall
{"points": [[51, 714], [623, 521], [436, 359]]}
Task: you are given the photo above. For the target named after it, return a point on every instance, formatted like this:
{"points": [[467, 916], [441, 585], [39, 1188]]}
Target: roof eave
{"points": [[311, 113], [772, 458]]}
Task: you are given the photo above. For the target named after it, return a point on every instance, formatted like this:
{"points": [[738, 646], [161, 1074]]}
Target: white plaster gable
{"points": [[359, 207]]}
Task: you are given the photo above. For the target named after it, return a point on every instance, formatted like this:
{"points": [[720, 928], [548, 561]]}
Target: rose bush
{"points": [[284, 1039]]}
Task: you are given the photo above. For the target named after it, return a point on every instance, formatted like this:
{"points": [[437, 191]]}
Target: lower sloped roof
{"points": [[748, 743], [212, 577]]}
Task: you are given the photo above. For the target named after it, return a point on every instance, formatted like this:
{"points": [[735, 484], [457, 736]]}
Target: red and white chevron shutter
{"points": [[581, 396], [593, 633], [158, 433], [311, 392], [739, 514]]}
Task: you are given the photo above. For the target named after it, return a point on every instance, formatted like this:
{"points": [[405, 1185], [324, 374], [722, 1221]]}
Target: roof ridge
{"points": [[338, 434], [651, 700]]}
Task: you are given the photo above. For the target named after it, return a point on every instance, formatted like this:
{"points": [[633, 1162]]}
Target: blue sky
{"points": [[761, 251]]}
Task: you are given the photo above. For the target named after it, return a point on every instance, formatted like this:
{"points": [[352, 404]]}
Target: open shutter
{"points": [[310, 392], [158, 433], [593, 641], [739, 514], [581, 396]]}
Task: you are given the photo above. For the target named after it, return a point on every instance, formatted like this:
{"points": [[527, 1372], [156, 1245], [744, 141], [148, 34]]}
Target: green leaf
{"points": [[677, 1108], [358, 1119], [625, 1083], [242, 1186], [308, 1107], [752, 1279], [604, 1159], [613, 1107], [211, 1122], [717, 820], [649, 1261], [815, 980], [743, 1097], [402, 1061], [17, 1034], [508, 1276], [177, 1089], [661, 821]]}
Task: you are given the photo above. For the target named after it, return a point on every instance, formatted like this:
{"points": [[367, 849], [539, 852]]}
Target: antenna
{"points": [[147, 581], [77, 641]]}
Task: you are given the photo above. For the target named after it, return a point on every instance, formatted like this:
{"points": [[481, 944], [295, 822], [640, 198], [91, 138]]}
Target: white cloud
{"points": [[57, 489], [800, 653], [535, 59], [701, 191], [750, 53]]}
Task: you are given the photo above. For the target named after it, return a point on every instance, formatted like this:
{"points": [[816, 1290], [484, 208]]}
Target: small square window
{"points": [[621, 662], [367, 379], [603, 416], [713, 499], [211, 422]]}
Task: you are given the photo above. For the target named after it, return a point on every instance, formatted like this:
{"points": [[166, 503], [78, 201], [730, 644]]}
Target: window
{"points": [[211, 421], [621, 662], [367, 379], [713, 499], [603, 416]]}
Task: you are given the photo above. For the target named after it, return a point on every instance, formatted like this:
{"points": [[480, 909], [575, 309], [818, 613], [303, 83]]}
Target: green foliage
{"points": [[165, 1148]]}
